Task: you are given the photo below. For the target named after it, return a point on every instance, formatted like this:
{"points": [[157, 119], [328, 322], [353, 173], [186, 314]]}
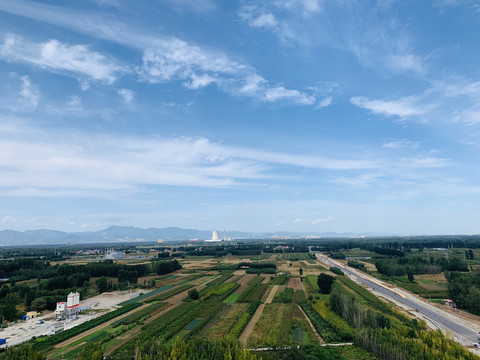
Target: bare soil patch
{"points": [[296, 284], [243, 281], [431, 286]]}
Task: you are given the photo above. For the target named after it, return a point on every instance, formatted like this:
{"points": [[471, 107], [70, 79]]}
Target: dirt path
{"points": [[313, 327], [272, 294], [253, 321]]}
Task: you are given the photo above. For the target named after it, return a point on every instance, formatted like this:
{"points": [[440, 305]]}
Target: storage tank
{"points": [[77, 299], [70, 300]]}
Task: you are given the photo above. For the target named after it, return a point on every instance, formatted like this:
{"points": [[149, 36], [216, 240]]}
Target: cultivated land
{"points": [[263, 300]]}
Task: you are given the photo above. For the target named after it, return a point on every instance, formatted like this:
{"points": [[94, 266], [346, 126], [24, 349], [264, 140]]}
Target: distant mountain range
{"points": [[121, 234]]}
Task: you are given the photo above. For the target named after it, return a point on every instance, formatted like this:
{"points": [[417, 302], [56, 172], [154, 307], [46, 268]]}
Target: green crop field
{"points": [[276, 327], [231, 299]]}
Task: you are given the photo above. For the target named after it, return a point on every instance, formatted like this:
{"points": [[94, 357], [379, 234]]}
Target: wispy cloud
{"points": [[257, 17], [402, 108], [127, 95], [361, 181], [53, 55], [165, 58], [373, 35], [314, 221], [196, 67], [38, 166], [29, 91], [199, 7], [398, 144], [424, 162]]}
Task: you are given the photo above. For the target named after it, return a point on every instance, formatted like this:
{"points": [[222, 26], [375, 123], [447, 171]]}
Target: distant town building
{"points": [[160, 241], [112, 254]]}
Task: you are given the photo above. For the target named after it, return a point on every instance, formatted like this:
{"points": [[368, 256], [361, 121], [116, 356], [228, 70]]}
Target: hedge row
{"points": [[327, 333], [130, 319], [223, 290], [169, 293]]}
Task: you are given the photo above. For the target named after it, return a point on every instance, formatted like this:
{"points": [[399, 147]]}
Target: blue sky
{"points": [[301, 115]]}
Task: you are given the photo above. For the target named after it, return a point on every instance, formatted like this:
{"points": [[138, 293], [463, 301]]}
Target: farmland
{"points": [[263, 301]]}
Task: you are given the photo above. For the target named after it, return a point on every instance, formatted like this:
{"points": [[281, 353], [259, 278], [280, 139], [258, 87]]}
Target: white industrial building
{"points": [[214, 237], [112, 254], [69, 309]]}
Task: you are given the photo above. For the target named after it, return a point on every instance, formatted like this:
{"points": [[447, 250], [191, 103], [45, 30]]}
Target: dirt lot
{"points": [[24, 330], [109, 299], [296, 284], [243, 281], [198, 263]]}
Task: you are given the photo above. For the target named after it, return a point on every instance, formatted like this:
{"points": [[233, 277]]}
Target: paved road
{"points": [[447, 322]]}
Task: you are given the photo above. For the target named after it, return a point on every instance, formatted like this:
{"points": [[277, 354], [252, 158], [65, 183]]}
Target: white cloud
{"points": [[127, 95], [74, 102], [8, 219], [424, 162], [165, 58], [397, 144], [324, 102], [314, 221], [306, 7], [402, 108], [84, 84], [174, 59], [198, 82], [280, 93], [404, 62], [54, 164], [456, 87], [361, 181], [199, 7], [468, 116], [55, 56], [257, 17], [29, 91]]}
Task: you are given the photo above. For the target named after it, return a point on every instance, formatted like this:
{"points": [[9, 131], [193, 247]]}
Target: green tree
{"points": [[21, 353], [193, 294], [39, 304], [102, 284], [301, 271], [471, 255], [325, 283], [91, 351], [410, 275]]}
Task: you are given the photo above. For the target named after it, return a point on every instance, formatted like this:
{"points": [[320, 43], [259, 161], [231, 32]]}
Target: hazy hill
{"points": [[114, 234]]}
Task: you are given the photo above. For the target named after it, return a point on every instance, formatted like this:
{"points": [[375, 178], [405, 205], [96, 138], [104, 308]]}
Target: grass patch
{"points": [[311, 284], [231, 299]]}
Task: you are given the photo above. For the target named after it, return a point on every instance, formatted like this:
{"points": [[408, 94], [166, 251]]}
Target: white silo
{"points": [[215, 235], [70, 300]]}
